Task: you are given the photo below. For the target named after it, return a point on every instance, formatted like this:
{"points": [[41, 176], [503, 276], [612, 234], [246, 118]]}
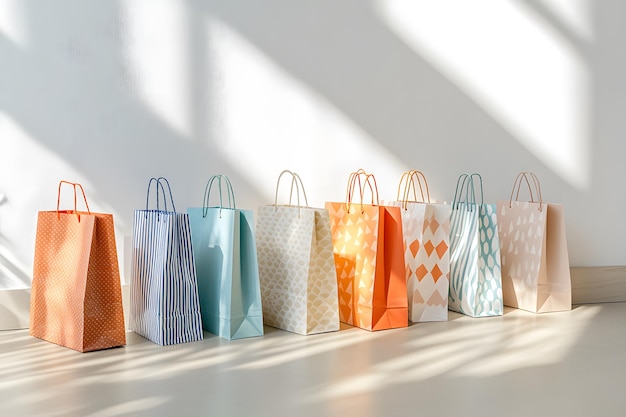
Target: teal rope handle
{"points": [[229, 192]]}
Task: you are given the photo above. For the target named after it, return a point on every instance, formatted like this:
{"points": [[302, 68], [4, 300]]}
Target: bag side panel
{"points": [[103, 311], [322, 300]]}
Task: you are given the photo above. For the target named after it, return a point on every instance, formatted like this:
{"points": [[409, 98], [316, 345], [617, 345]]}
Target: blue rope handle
{"points": [[480, 180], [458, 192], [169, 189], [158, 186]]}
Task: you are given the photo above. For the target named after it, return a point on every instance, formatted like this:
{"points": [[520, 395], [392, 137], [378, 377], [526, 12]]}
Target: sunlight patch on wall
{"points": [[157, 49], [40, 171], [12, 22], [516, 67], [264, 120], [22, 154]]}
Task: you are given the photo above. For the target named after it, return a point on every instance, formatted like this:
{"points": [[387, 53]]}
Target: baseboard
{"points": [[598, 284], [590, 285], [15, 308]]}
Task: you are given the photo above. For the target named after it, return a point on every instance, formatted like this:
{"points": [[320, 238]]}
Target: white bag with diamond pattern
{"points": [[426, 230]]}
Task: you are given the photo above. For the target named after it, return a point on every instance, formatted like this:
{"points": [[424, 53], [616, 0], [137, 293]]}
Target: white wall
{"points": [[110, 94]]}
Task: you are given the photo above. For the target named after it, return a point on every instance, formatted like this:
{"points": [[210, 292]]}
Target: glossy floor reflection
{"points": [[558, 364]]}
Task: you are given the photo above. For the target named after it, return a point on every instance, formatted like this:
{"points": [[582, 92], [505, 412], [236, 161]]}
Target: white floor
{"points": [[559, 364]]}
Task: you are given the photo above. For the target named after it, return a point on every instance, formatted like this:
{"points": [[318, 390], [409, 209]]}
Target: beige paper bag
{"points": [[535, 263]]}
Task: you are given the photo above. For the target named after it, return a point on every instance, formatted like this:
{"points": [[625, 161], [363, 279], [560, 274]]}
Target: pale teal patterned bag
{"points": [[475, 277]]}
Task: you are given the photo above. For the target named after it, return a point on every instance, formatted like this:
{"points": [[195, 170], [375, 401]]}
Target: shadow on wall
{"points": [[92, 117], [81, 103], [345, 52], [78, 93], [401, 97]]}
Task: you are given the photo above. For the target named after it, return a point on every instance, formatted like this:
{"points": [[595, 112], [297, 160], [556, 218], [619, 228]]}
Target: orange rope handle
{"points": [[407, 183], [362, 178], [74, 185]]}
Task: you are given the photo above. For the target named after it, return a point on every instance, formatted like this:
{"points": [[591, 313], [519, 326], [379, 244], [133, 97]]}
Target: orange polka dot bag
{"points": [[76, 298]]}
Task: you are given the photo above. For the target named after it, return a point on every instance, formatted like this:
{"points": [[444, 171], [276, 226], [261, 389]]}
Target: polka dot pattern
{"points": [[76, 298]]}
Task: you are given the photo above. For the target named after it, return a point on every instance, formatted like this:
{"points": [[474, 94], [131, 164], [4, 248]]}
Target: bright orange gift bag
{"points": [[369, 258], [76, 298]]}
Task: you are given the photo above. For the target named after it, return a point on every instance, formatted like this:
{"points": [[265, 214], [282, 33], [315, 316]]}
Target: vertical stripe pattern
{"points": [[164, 290]]}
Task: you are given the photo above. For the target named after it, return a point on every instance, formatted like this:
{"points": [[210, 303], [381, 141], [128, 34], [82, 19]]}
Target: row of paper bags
{"points": [[369, 264]]}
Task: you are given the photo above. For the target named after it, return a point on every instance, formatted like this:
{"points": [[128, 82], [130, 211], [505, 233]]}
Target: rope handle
{"points": [[159, 183], [354, 176], [466, 184], [408, 180], [459, 189], [362, 178], [207, 194], [73, 184], [523, 176], [296, 182]]}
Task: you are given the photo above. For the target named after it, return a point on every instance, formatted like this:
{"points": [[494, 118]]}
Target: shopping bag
{"points": [[475, 271], [225, 255], [535, 262], [76, 298], [426, 231], [164, 302], [296, 265], [369, 258]]}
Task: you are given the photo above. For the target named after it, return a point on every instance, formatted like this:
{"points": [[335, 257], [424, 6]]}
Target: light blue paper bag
{"points": [[475, 269], [224, 249]]}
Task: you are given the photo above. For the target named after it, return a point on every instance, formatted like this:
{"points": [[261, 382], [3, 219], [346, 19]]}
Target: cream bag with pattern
{"points": [[296, 265], [533, 247]]}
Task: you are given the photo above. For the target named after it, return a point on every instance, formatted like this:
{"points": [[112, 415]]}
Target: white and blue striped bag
{"points": [[164, 291], [475, 268]]}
